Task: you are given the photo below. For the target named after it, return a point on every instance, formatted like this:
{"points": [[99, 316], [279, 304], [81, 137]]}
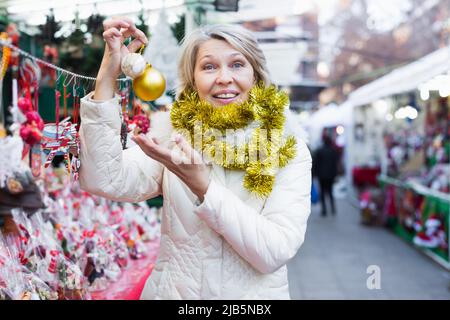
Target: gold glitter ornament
{"points": [[148, 82], [150, 85]]}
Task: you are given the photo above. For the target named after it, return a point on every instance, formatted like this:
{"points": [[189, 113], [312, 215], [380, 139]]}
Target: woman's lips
{"points": [[225, 101]]}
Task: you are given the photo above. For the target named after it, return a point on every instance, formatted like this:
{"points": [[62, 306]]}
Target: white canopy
{"points": [[331, 115], [404, 79]]}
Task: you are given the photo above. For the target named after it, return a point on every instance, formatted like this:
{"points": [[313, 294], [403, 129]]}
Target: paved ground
{"points": [[333, 262]]}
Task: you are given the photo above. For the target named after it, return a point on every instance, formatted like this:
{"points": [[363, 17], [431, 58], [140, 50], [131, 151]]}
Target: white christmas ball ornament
{"points": [[133, 65]]}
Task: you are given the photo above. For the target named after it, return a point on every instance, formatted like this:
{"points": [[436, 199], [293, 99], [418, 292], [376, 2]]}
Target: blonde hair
{"points": [[238, 37]]}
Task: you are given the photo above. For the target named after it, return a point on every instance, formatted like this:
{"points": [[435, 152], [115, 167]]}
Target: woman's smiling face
{"points": [[222, 74]]}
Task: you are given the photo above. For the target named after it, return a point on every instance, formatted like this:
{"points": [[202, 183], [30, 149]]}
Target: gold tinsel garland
{"points": [[262, 155], [5, 56]]}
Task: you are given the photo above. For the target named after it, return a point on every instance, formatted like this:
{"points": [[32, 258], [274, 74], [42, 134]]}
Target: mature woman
{"points": [[235, 179]]}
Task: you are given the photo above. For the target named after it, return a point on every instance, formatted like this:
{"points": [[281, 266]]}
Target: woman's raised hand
{"points": [[116, 31]]}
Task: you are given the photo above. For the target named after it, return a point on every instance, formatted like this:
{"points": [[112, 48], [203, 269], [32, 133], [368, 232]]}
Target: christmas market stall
{"points": [[400, 141], [57, 241]]}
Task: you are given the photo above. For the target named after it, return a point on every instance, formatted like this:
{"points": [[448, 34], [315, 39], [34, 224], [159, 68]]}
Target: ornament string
{"points": [[29, 97], [65, 96], [5, 43], [75, 106], [57, 96], [36, 95]]}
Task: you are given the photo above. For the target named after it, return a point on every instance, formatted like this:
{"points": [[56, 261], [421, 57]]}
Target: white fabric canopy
{"points": [[331, 115], [404, 79]]}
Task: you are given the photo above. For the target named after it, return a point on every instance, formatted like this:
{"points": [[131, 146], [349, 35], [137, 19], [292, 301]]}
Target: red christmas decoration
{"points": [[141, 122], [25, 104], [31, 129]]}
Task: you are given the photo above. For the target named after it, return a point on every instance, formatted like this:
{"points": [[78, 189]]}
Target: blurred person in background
{"points": [[325, 168]]}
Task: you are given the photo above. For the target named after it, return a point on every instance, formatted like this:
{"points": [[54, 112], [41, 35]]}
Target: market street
{"points": [[333, 260]]}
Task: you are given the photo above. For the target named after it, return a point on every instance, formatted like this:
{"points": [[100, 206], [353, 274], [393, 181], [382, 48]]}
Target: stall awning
{"points": [[331, 116], [404, 79]]}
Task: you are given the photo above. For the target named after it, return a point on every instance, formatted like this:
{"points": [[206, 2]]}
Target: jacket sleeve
{"points": [[107, 170], [266, 240]]}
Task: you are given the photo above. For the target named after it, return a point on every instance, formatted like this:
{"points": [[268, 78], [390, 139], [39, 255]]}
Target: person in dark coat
{"points": [[325, 168]]}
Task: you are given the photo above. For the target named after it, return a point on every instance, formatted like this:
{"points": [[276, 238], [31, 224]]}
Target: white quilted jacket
{"points": [[233, 245]]}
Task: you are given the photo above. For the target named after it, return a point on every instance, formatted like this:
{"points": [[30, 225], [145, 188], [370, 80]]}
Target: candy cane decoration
{"points": [[50, 157], [55, 146], [22, 258], [24, 230], [65, 96]]}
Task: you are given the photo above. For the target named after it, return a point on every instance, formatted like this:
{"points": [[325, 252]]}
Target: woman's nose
{"points": [[224, 76]]}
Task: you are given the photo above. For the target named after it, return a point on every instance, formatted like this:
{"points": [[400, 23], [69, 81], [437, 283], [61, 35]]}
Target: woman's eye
{"points": [[208, 66], [238, 65]]}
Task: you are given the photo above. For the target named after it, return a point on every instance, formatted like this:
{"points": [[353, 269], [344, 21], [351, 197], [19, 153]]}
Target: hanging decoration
{"points": [[139, 124], [31, 129], [49, 74], [65, 96], [4, 43], [25, 104], [76, 106], [14, 36], [6, 55], [30, 76], [133, 65], [31, 133], [148, 83], [58, 138], [124, 92], [4, 66]]}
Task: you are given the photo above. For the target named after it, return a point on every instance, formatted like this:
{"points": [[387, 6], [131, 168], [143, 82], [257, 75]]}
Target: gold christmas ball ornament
{"points": [[133, 65], [150, 85]]}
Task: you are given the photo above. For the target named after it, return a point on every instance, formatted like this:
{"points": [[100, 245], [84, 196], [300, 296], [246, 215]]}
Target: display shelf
{"points": [[436, 199], [416, 186]]}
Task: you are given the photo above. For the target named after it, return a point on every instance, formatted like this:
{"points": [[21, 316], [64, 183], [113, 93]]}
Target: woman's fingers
{"points": [[127, 28], [190, 153], [135, 45], [147, 145], [113, 39], [111, 34], [152, 148], [117, 23], [178, 160], [134, 32]]}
